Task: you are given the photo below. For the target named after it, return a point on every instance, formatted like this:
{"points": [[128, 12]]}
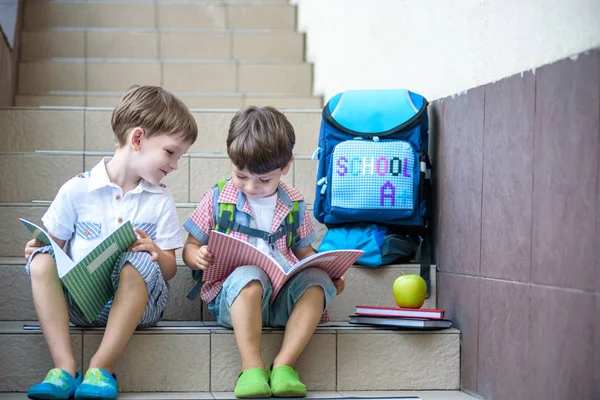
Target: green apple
{"points": [[409, 291]]}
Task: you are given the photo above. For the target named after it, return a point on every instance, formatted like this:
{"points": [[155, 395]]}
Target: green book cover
{"points": [[89, 281]]}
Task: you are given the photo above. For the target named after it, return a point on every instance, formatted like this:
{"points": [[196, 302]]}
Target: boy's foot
{"points": [[97, 384], [285, 382], [252, 383], [58, 384]]}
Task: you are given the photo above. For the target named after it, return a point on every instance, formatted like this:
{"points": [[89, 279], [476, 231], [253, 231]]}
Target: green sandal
{"points": [[285, 382], [252, 383]]}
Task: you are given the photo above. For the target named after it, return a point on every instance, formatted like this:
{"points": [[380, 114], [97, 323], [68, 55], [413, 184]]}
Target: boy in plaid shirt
{"points": [[259, 146]]}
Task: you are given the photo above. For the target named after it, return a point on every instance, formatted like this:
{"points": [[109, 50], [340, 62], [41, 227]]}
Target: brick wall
{"points": [[518, 230]]}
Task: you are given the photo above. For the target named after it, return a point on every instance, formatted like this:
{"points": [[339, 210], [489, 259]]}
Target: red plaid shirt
{"points": [[203, 219]]}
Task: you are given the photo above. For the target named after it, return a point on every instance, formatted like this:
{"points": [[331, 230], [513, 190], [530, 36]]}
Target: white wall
{"points": [[439, 47]]}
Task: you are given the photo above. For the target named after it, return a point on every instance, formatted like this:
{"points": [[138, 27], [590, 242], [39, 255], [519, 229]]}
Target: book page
{"points": [[64, 264], [230, 253], [334, 262]]}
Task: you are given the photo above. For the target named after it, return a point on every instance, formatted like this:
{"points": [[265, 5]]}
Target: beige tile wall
{"points": [[187, 358], [196, 16], [212, 132], [207, 101], [206, 359], [200, 46], [34, 100], [25, 130], [275, 78], [48, 14], [264, 17], [31, 359], [139, 14], [46, 76], [201, 77], [410, 361], [316, 365], [46, 44], [117, 76], [102, 44], [27, 177], [284, 46], [221, 45]]}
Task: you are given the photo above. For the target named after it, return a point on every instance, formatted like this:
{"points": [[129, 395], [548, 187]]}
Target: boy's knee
{"points": [[252, 290], [129, 275], [315, 290], [41, 266]]}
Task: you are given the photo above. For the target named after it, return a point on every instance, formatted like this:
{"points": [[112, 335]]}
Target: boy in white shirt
{"points": [[153, 128], [259, 146]]}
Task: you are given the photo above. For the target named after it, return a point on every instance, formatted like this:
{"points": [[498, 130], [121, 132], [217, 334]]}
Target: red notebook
{"points": [[230, 253], [380, 311]]}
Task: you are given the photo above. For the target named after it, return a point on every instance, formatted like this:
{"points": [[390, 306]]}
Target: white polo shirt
{"points": [[89, 207]]}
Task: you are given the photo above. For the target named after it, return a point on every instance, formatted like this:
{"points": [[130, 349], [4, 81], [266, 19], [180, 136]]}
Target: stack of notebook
{"points": [[410, 318]]}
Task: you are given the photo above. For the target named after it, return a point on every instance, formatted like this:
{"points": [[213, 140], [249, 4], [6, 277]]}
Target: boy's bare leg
{"points": [[246, 318], [301, 325], [126, 311], [52, 312]]}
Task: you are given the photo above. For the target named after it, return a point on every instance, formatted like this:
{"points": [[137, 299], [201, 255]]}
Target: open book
{"points": [[230, 253], [89, 281]]}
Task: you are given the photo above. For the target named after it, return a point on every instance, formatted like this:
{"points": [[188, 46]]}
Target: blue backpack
{"points": [[373, 163]]}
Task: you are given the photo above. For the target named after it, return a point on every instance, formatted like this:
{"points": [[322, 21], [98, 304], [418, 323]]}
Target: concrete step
{"points": [[202, 357], [38, 77], [164, 44], [89, 129], [268, 14], [193, 100], [68, 132], [363, 286], [46, 172], [390, 394]]}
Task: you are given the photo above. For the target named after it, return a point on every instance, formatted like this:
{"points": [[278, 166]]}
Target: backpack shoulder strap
{"points": [[292, 225], [224, 219]]}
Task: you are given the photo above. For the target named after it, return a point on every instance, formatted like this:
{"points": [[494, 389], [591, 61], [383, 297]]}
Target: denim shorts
{"points": [[155, 284], [277, 313]]}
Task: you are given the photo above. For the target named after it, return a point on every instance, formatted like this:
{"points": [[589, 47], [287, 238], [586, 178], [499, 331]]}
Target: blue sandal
{"points": [[97, 384], [57, 385]]}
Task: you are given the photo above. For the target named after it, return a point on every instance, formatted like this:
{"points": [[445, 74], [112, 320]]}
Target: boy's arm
{"points": [[165, 258], [34, 244], [167, 263], [199, 224], [190, 249], [196, 254], [60, 217]]}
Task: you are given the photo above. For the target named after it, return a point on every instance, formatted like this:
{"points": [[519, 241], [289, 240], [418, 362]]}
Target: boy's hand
{"points": [[203, 258], [144, 243], [31, 246], [340, 284]]}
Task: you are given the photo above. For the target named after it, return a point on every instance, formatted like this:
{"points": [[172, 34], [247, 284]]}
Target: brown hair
{"points": [[261, 139], [155, 110]]}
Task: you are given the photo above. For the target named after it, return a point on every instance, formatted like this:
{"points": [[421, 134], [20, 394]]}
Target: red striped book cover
{"points": [[230, 253]]}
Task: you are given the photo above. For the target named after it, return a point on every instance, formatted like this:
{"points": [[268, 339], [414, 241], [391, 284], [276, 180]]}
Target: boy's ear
{"points": [[286, 169], [135, 138]]}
